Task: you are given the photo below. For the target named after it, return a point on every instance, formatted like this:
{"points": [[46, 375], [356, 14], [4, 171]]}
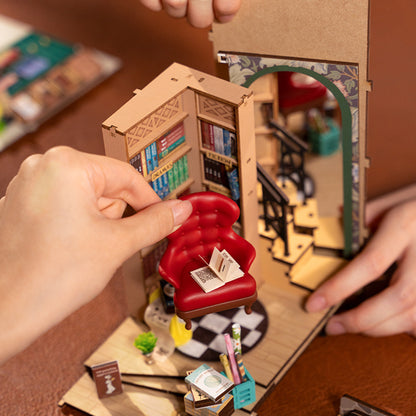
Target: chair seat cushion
{"points": [[190, 296]]}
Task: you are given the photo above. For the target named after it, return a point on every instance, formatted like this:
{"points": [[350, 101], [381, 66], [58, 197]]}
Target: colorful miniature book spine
{"points": [[171, 181], [207, 171], [205, 135], [144, 165], [218, 140], [211, 137], [165, 185], [176, 174], [171, 141], [149, 160], [231, 359], [227, 142], [185, 167], [136, 162], [233, 145], [233, 183], [181, 171], [153, 149]]}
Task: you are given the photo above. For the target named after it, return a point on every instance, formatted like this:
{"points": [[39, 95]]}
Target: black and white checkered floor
{"points": [[208, 332]]}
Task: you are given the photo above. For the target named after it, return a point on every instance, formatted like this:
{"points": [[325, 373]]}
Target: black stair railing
{"points": [[292, 157], [275, 205]]}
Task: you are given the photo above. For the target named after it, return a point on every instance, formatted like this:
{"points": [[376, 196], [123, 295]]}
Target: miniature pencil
{"points": [[236, 331], [226, 365], [231, 358], [241, 369]]}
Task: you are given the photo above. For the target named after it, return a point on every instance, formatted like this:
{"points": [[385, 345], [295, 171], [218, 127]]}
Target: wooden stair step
{"points": [[306, 215], [289, 188], [298, 246], [330, 233], [270, 234], [316, 271]]}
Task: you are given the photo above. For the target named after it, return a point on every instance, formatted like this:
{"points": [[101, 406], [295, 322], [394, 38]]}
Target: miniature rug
{"points": [[208, 332]]}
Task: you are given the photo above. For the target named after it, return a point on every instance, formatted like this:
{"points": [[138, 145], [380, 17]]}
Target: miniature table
{"points": [[380, 371]]}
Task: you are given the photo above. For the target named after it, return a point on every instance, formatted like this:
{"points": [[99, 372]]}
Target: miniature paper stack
{"points": [[221, 269], [225, 407], [209, 382]]}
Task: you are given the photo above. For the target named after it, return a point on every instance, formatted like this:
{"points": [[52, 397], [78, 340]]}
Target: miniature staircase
{"points": [[314, 244]]}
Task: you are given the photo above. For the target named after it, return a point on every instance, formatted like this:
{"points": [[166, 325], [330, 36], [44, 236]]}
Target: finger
{"points": [[369, 317], [149, 226], [404, 322], [200, 13], [111, 208], [386, 246], [154, 5], [225, 10], [400, 323], [175, 8], [115, 179]]}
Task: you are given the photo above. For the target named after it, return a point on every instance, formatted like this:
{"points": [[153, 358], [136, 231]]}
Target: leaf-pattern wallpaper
{"points": [[243, 70]]}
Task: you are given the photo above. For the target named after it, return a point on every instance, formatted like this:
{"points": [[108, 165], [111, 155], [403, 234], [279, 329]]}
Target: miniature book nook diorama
{"points": [[267, 227]]}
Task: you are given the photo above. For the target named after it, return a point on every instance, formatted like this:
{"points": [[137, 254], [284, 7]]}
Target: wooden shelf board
{"points": [[212, 120]]}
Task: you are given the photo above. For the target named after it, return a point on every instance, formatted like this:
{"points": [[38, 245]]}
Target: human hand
{"points": [[200, 13], [62, 236], [393, 310]]}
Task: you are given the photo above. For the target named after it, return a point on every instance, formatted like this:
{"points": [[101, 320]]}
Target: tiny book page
{"points": [[209, 382], [221, 269]]}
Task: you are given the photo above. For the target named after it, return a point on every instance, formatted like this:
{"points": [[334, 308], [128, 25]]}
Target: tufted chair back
{"points": [[209, 226]]}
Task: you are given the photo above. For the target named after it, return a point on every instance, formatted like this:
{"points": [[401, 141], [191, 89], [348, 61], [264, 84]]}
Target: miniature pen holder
{"points": [[244, 393], [325, 143]]}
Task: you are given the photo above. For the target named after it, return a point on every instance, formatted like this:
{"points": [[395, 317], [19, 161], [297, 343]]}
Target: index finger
{"points": [[225, 10], [113, 178], [200, 13]]}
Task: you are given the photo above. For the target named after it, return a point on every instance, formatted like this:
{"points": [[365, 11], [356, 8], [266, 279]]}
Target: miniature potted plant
{"points": [[146, 343]]}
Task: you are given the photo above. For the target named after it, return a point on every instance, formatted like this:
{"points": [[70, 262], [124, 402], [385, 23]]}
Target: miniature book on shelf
{"points": [[221, 269], [209, 382]]}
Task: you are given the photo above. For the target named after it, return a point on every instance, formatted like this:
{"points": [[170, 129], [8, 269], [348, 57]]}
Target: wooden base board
{"points": [[290, 331]]}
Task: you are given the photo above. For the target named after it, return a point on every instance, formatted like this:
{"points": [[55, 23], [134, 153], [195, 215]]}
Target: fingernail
{"points": [[335, 328], [226, 18], [316, 303], [181, 211]]}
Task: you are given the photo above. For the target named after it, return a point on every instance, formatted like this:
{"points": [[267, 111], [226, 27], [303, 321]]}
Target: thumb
{"points": [[150, 225]]}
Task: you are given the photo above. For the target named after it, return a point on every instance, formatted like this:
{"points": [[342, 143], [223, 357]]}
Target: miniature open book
{"points": [[222, 268]]}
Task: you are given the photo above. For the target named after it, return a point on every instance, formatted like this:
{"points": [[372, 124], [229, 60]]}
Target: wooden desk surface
{"points": [[379, 371]]}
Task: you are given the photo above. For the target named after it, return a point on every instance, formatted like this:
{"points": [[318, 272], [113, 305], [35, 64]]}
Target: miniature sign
{"points": [[221, 269], [107, 379]]}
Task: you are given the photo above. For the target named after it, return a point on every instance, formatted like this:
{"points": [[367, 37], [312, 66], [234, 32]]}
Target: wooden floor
{"points": [[290, 331]]}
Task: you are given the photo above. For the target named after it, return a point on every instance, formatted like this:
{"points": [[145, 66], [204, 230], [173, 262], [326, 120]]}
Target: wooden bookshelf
{"points": [[182, 100]]}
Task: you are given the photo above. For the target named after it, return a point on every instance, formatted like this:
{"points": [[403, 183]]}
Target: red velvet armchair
{"points": [[209, 226]]}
